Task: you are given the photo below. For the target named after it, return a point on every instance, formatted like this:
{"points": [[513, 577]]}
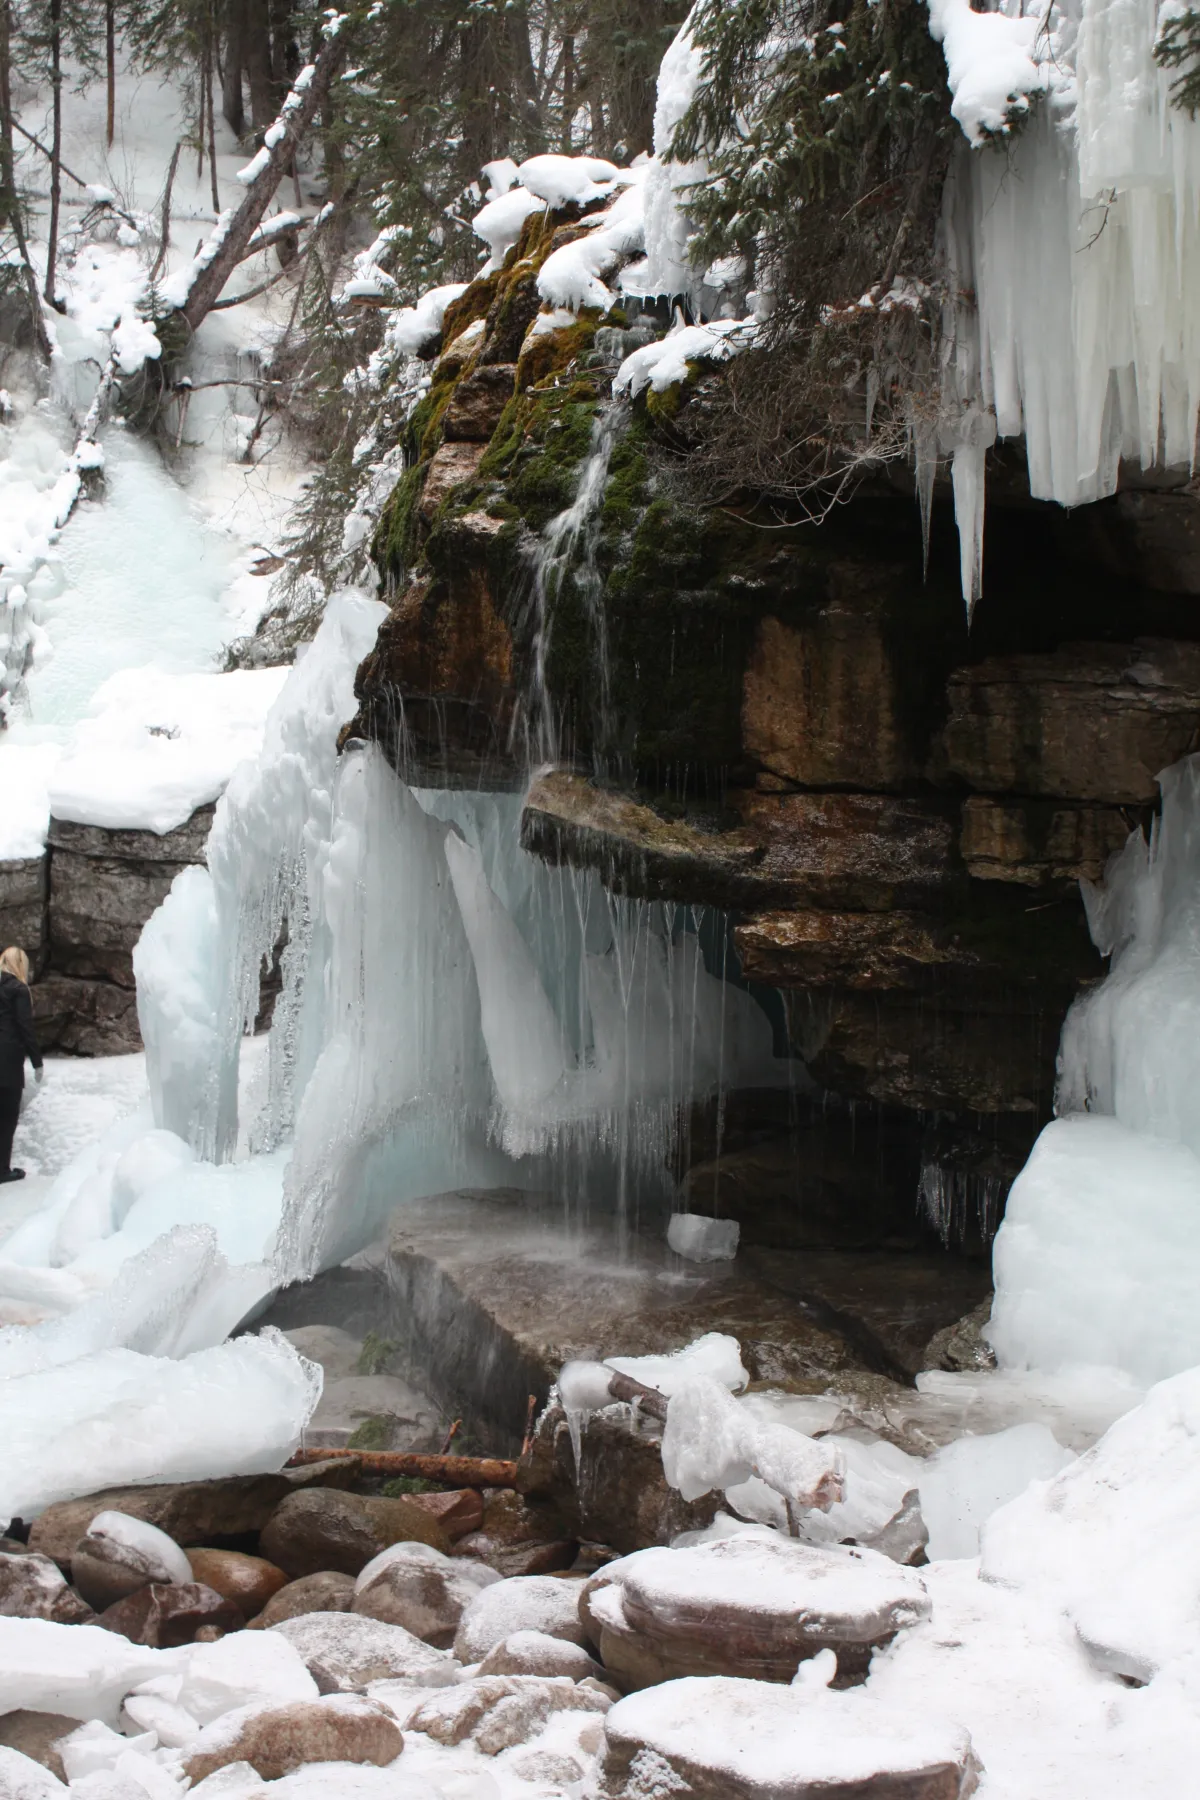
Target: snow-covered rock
{"points": [[420, 1588], [343, 1651], [522, 1603], [119, 1554]]}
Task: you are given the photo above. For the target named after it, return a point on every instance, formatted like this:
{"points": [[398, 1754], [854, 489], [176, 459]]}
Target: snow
{"points": [[134, 342], [154, 747], [572, 275], [991, 65], [563, 180], [700, 1239], [668, 267], [148, 1544], [25, 815], [964, 1484], [499, 222], [716, 1357], [661, 364], [412, 327], [79, 1670]]}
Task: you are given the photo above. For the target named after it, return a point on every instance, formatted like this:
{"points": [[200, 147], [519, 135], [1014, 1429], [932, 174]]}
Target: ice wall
{"points": [[1098, 1259], [1076, 235]]}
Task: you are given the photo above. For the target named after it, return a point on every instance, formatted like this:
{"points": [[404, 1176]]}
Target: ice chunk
{"points": [[700, 1239], [711, 1442], [116, 1416], [964, 1484], [173, 962], [23, 1779], [716, 1356], [208, 1680], [79, 1670]]}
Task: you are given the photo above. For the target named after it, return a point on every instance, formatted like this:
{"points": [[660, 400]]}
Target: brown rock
{"points": [[343, 1728], [520, 1536], [420, 1589], [536, 1653], [667, 1614], [452, 465], [477, 402], [329, 1591], [118, 1555], [855, 950], [249, 1581], [32, 1587], [457, 1512], [36, 1735], [312, 1532], [1033, 842], [344, 1651], [1087, 722], [499, 1711], [166, 1615], [764, 1751], [191, 1512]]}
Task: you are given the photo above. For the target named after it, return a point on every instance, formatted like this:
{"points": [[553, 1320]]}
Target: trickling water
{"points": [[566, 551]]}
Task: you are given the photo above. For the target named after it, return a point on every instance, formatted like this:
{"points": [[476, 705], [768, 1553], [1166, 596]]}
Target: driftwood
{"points": [[300, 109], [454, 1471]]}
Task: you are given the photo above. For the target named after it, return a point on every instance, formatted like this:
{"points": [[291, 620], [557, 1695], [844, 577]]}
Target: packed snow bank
{"points": [[28, 770], [117, 1416], [964, 1484], [1112, 1539], [155, 747]]}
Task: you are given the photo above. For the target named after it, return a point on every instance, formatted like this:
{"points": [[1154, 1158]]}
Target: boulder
{"points": [[119, 1554], [343, 1651], [497, 1711], [477, 402], [758, 1604], [419, 1588], [330, 1592], [36, 1735], [249, 1581], [315, 1531], [519, 1536], [23, 1779], [33, 1587], [524, 1603], [731, 1739], [457, 1512], [165, 1615], [190, 1512], [536, 1653], [343, 1728]]}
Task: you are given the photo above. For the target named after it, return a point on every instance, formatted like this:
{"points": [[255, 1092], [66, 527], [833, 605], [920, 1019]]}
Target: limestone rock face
{"points": [[479, 399], [190, 1512], [452, 464], [731, 1739], [340, 1729], [343, 1652], [249, 1581], [1035, 842], [166, 1615], [23, 905], [322, 1529], [755, 1605], [1087, 722], [419, 1588]]}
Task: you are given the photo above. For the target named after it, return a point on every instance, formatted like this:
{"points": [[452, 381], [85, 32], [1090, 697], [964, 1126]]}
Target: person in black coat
{"points": [[18, 1040]]}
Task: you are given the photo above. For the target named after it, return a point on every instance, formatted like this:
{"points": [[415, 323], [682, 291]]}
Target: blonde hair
{"points": [[15, 962]]}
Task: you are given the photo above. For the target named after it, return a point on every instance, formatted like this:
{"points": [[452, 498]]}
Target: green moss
{"points": [[409, 1484], [375, 1354], [374, 1433], [663, 407], [394, 548]]}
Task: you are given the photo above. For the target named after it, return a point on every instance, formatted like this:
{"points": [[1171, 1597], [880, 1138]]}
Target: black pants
{"points": [[10, 1112]]}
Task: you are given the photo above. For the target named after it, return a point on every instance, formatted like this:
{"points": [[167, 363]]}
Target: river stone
{"points": [[23, 1779], [728, 1739], [168, 1614], [757, 1604], [36, 1735], [33, 1587], [498, 1711], [249, 1581], [344, 1728], [520, 1537], [312, 1532], [523, 1603], [190, 1512], [457, 1512], [535, 1653], [120, 1554], [330, 1591], [419, 1588], [343, 1652]]}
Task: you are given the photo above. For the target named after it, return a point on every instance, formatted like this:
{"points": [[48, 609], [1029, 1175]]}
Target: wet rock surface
{"points": [[330, 1591], [165, 1616], [248, 1581]]}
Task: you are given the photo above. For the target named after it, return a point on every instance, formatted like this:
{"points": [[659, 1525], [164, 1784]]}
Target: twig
{"points": [[455, 1471], [165, 230], [77, 179], [450, 1436], [530, 1416]]}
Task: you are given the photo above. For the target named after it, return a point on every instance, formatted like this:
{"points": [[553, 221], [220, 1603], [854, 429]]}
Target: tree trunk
{"points": [[212, 122], [10, 200], [56, 145], [211, 278], [110, 65], [264, 101], [232, 105]]}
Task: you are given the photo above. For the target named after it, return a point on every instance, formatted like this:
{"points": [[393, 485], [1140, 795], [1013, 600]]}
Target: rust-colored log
{"points": [[455, 1471]]}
